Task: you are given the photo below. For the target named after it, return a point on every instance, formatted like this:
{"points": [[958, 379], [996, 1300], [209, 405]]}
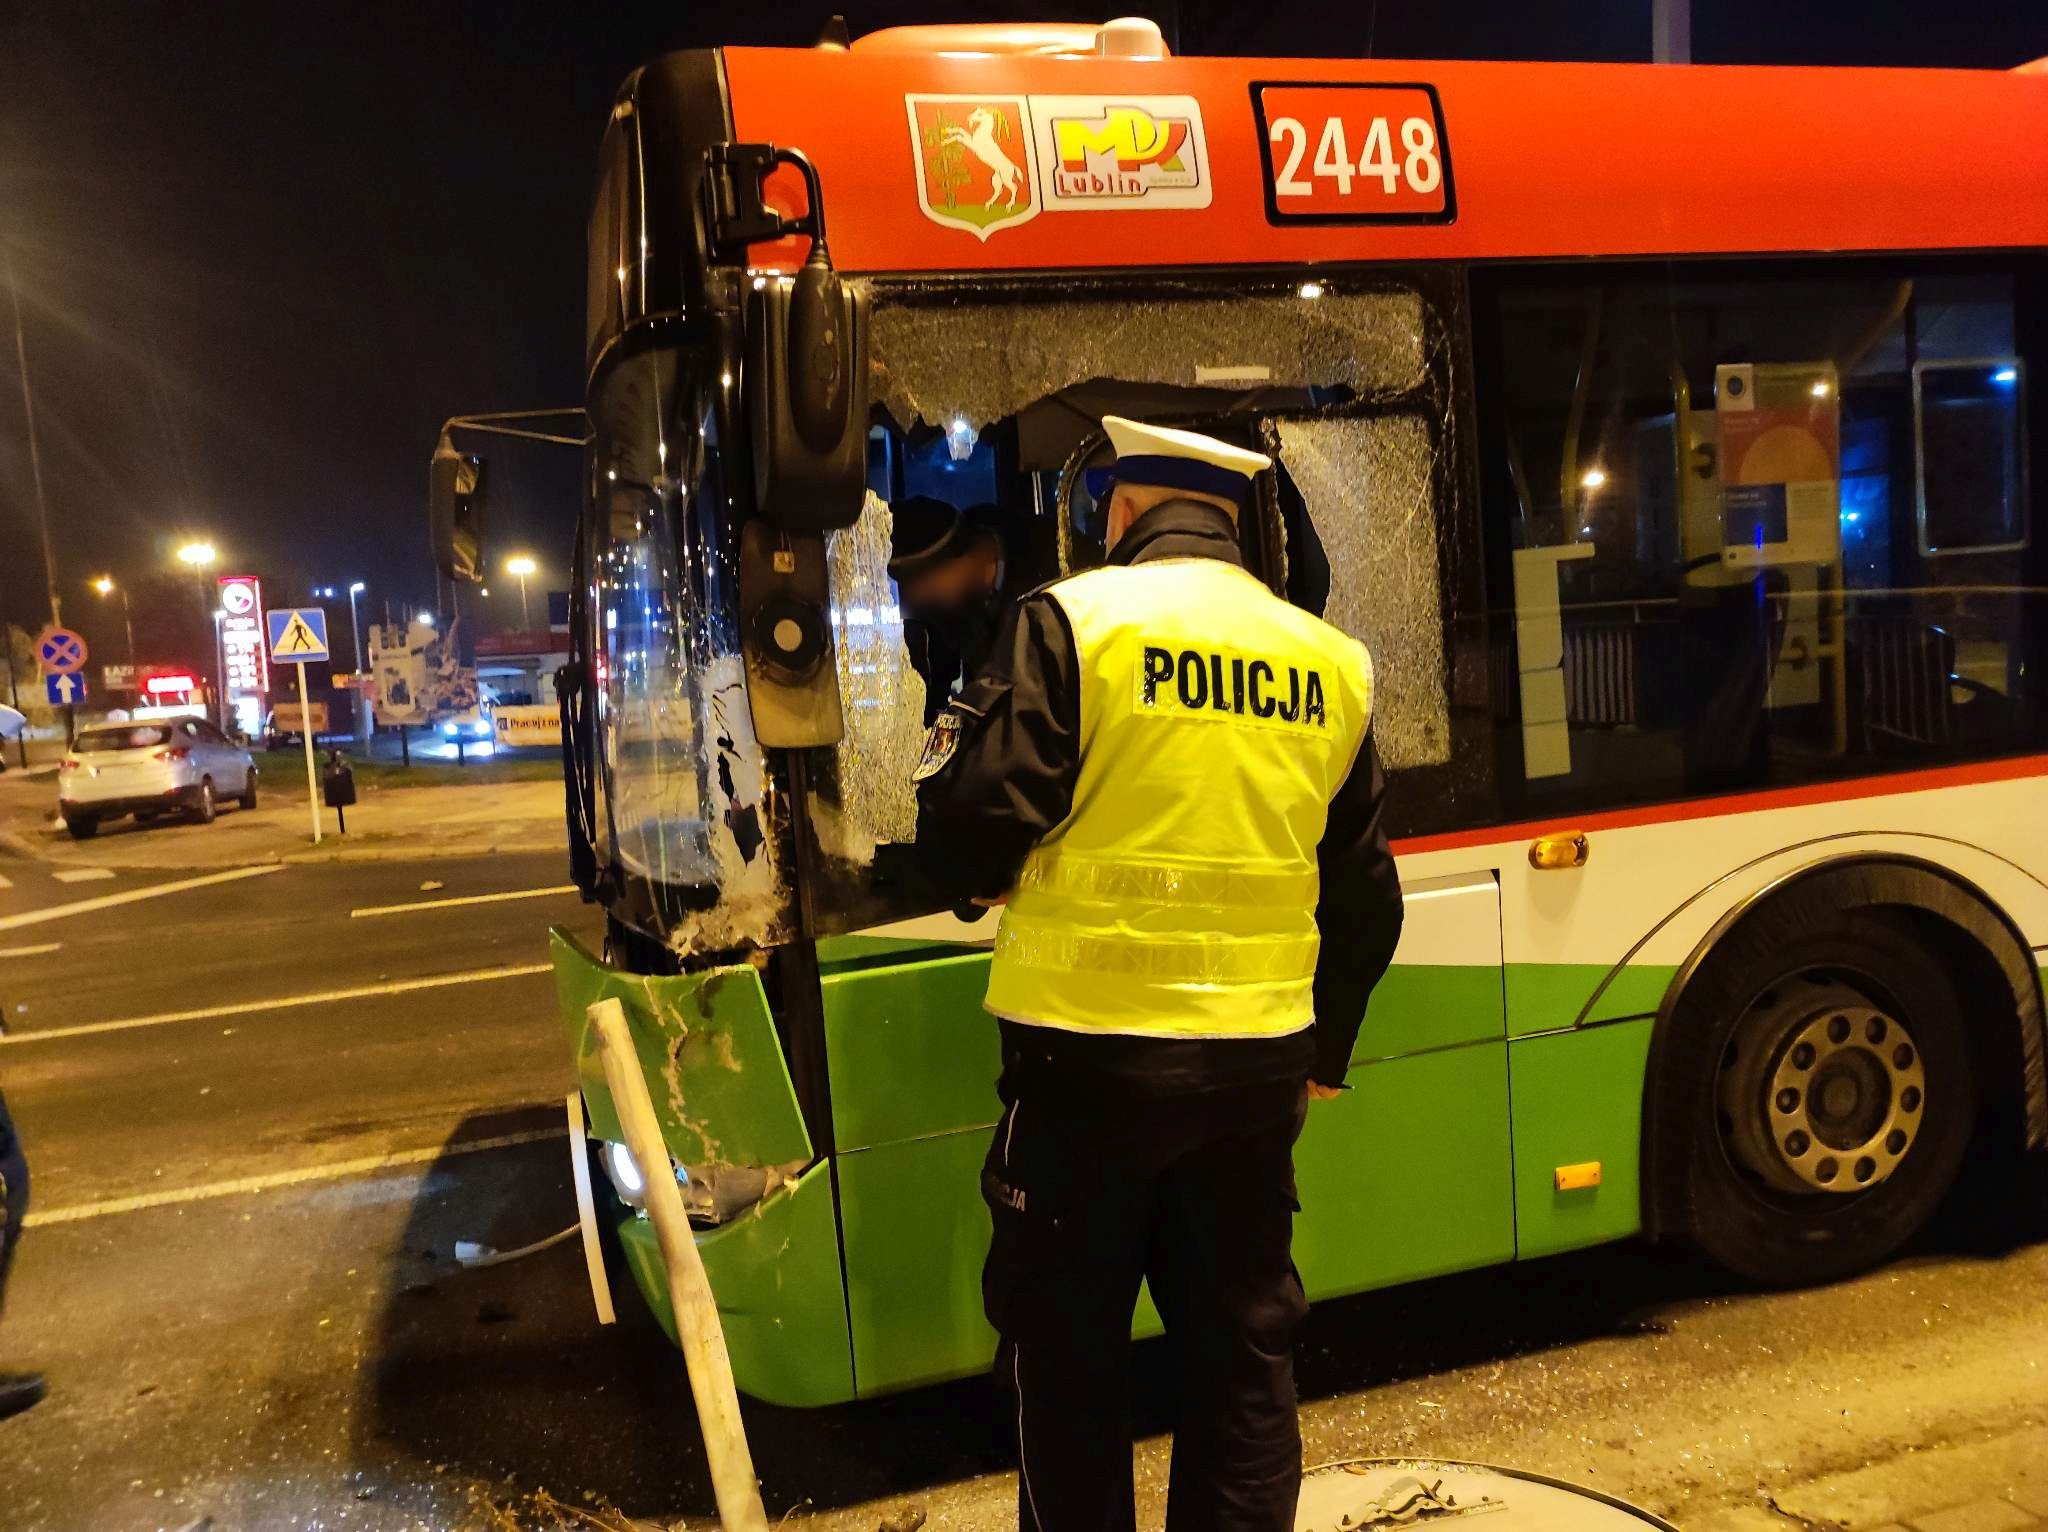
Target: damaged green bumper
{"points": [[723, 1098]]}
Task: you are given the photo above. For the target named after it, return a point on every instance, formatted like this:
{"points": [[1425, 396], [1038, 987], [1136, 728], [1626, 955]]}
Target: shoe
{"points": [[18, 1391]]}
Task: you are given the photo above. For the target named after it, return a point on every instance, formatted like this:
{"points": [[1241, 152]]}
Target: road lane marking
{"points": [[282, 1003], [339, 1170], [443, 904], [5, 881], [8, 952], [82, 874], [108, 901]]}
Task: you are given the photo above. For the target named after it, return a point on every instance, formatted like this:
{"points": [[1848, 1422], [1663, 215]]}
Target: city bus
{"points": [[1671, 437]]}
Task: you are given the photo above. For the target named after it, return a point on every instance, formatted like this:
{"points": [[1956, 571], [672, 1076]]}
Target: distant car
{"points": [[469, 725], [284, 726], [164, 766]]}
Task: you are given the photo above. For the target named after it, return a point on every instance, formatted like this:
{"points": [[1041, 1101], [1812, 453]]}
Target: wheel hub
{"points": [[1821, 1091]]}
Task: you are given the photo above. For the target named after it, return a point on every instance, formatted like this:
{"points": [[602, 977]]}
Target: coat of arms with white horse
{"points": [[976, 167]]}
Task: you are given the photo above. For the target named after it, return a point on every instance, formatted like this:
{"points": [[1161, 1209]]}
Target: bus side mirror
{"points": [[806, 384], [807, 387], [455, 511], [807, 402]]}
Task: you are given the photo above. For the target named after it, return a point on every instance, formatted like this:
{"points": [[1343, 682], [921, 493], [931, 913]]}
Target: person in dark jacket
{"points": [[1166, 773], [956, 574], [18, 1390]]}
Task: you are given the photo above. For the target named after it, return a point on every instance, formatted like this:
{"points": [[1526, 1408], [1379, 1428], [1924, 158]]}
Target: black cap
{"points": [[922, 532]]}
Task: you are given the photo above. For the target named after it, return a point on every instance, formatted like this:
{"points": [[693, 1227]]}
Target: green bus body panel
{"points": [[910, 1050], [775, 1273], [1579, 1097], [1420, 1006], [1413, 1172], [916, 1231], [1406, 1175], [836, 952], [708, 1047], [1542, 997]]}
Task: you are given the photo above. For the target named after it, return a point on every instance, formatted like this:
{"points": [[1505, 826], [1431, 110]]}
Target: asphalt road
{"points": [[260, 1125]]}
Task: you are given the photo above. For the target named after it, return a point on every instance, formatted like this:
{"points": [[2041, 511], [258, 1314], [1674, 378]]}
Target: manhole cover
{"points": [[1369, 1494]]}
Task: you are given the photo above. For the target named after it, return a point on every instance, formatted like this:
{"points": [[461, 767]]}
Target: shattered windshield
{"points": [[988, 407]]}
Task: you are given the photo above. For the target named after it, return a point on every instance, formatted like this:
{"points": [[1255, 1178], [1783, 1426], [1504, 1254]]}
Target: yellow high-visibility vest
{"points": [[1178, 897]]}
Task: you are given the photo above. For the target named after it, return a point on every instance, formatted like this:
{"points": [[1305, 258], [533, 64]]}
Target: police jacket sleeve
{"points": [[988, 795], [1358, 914]]}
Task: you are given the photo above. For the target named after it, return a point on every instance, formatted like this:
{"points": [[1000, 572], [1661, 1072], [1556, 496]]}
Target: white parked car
{"points": [[163, 766]]}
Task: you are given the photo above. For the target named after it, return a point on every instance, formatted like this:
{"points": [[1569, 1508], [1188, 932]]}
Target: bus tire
{"points": [[1821, 1066]]}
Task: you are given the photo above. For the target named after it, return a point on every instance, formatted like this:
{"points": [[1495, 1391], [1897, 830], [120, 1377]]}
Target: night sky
{"points": [[264, 249]]}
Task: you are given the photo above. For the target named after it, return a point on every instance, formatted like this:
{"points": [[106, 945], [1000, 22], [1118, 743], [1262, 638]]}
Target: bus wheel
{"points": [[1831, 1100]]}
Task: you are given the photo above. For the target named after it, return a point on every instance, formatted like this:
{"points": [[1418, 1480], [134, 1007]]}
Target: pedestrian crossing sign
{"points": [[298, 634]]}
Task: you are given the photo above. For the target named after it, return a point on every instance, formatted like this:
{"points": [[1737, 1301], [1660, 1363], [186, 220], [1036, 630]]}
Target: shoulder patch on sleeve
{"points": [[939, 745]]}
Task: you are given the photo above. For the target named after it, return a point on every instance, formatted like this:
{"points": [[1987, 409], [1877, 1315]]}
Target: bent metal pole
{"points": [[689, 1289]]}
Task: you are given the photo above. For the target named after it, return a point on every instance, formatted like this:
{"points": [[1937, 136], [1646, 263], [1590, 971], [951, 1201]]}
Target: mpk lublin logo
{"points": [[1125, 151]]}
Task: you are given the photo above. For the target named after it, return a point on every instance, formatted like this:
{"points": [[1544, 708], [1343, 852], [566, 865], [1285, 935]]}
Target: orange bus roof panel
{"points": [[937, 163]]}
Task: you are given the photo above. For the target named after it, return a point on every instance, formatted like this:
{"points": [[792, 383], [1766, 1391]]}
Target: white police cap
{"points": [[1174, 459]]}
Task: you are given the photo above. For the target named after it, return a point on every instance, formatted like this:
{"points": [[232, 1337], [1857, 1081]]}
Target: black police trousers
{"points": [[13, 1195], [1093, 1187]]}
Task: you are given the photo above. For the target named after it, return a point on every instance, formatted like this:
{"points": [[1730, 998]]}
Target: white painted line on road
{"points": [[82, 874], [282, 1003], [8, 952], [339, 1170], [108, 901], [443, 904], [5, 881]]}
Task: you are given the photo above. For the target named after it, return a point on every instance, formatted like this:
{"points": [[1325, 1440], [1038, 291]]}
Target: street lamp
{"points": [[106, 587], [522, 566], [199, 556], [220, 668], [355, 633]]}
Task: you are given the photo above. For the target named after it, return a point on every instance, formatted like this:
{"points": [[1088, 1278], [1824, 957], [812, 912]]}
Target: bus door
{"points": [[1407, 1174]]}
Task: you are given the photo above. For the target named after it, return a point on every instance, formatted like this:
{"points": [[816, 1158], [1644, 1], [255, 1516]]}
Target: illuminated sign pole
{"points": [[245, 669]]}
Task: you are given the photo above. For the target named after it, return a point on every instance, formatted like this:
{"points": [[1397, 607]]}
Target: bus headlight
{"points": [[624, 1170]]}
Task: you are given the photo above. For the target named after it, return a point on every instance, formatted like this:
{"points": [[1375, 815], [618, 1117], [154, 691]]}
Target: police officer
{"points": [[1169, 774]]}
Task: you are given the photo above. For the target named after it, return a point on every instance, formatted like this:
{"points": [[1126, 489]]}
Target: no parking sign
{"points": [[60, 651]]}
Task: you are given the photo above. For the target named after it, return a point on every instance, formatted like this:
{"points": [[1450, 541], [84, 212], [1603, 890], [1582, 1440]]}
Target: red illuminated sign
{"points": [[241, 636], [156, 686], [1354, 154]]}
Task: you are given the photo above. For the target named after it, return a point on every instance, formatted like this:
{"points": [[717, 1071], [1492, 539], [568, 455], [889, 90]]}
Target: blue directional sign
{"points": [[59, 650], [298, 634], [64, 687]]}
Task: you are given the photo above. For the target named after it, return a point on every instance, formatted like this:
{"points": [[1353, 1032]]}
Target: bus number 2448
{"points": [[1354, 152]]}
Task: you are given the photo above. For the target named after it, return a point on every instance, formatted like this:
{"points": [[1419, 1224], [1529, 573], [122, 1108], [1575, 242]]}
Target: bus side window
{"points": [[1970, 436], [1762, 527]]}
